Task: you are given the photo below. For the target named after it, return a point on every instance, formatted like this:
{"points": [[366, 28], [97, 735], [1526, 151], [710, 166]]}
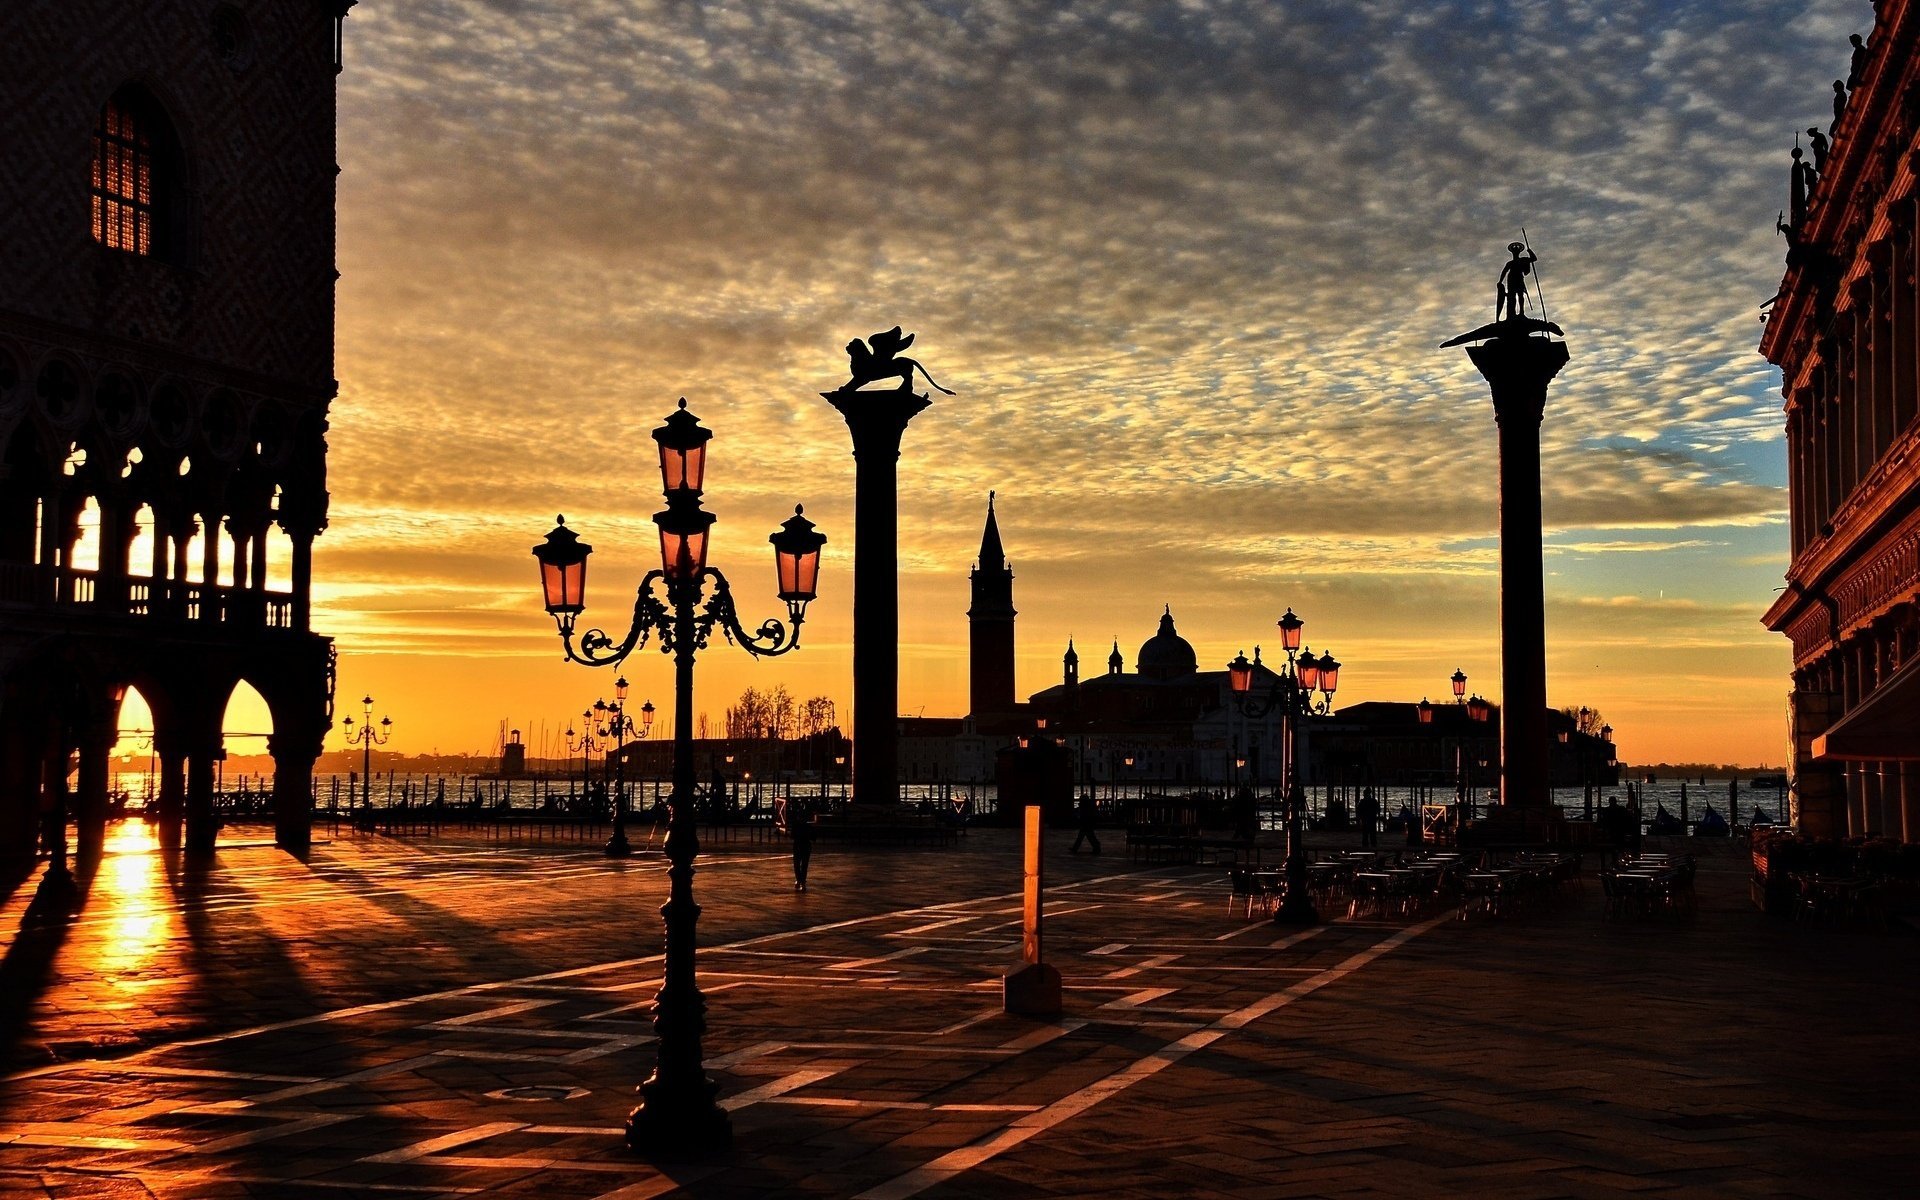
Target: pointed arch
{"points": [[138, 187]]}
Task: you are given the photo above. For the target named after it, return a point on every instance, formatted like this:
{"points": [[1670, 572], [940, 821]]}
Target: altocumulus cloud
{"points": [[1188, 264]]}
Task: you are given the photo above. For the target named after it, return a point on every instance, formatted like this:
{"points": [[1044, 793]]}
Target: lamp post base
{"points": [[688, 1123], [1296, 910], [618, 846]]}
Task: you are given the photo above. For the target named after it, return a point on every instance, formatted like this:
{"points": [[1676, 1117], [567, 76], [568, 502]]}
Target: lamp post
{"points": [[1292, 696], [617, 725], [586, 745], [367, 737], [681, 603]]}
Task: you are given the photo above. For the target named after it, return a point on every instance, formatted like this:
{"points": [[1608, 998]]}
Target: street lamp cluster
{"points": [[681, 603], [1292, 696], [366, 737], [601, 722]]}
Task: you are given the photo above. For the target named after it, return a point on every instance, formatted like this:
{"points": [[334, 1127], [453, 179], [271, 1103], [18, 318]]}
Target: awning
{"points": [[1886, 725]]}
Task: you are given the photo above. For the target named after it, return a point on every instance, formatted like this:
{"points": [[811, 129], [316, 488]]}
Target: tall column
{"points": [[172, 792], [1518, 367], [1901, 283], [210, 569], [90, 800], [302, 579], [293, 758], [203, 828], [1880, 288], [877, 420]]}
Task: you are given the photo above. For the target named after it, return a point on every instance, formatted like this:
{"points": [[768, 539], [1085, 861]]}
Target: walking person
{"points": [[800, 829], [1088, 812], [1369, 819]]}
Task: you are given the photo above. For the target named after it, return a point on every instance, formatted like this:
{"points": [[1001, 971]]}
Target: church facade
{"points": [[166, 367]]}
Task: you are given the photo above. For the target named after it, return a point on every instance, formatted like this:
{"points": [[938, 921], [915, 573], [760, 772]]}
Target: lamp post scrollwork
{"points": [[366, 737], [1292, 696], [680, 604]]}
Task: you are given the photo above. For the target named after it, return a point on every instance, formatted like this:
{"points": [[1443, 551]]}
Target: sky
{"points": [[1186, 266]]}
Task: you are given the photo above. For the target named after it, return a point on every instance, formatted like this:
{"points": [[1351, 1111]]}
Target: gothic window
{"points": [[133, 175]]}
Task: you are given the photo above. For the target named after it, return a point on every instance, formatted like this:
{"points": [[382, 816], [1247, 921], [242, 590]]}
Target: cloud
{"points": [[1187, 267]]}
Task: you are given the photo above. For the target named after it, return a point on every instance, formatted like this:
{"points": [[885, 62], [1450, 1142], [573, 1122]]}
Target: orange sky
{"points": [[1187, 276]]}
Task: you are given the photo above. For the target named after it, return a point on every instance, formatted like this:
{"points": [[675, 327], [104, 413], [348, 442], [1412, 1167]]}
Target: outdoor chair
{"points": [[1246, 889]]}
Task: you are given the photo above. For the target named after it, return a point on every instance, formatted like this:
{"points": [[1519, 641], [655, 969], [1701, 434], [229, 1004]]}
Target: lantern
{"points": [[1309, 667], [1240, 673], [683, 536], [1290, 627], [683, 451], [1563, 735], [620, 691], [563, 573], [796, 557], [1479, 709], [1426, 711], [1606, 733], [1459, 683], [646, 718], [1329, 674]]}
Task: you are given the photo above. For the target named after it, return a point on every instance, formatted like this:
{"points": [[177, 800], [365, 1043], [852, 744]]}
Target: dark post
{"points": [[1518, 368], [679, 1111], [1519, 359], [877, 419]]}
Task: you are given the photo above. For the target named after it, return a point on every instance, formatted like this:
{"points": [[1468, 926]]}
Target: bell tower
{"points": [[990, 626]]}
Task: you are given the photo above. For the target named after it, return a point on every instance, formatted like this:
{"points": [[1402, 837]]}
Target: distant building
{"points": [[166, 365], [1843, 332]]}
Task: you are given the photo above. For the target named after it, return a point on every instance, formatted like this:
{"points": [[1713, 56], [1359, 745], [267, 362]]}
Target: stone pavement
{"points": [[460, 1018]]}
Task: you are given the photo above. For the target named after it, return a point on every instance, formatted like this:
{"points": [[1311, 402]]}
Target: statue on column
{"points": [[1820, 146], [879, 358], [1857, 66], [1510, 294], [1510, 302]]}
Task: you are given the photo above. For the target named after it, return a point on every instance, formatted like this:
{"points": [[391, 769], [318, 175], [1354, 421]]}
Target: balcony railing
{"points": [[25, 585]]}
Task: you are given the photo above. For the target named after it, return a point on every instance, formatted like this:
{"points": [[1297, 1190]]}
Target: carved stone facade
{"points": [[1845, 331], [166, 366]]}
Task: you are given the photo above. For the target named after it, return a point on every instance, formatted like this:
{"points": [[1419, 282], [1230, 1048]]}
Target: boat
{"points": [[1664, 823], [1777, 781], [1711, 825]]}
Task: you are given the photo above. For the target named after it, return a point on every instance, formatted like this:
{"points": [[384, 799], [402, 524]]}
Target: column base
{"points": [[618, 846], [1032, 991], [682, 1124]]}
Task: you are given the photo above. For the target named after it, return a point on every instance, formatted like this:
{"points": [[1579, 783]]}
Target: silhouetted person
{"points": [[1246, 815], [800, 829], [1511, 298], [1820, 147], [1369, 819], [1087, 812], [721, 805], [1839, 103], [1857, 67]]}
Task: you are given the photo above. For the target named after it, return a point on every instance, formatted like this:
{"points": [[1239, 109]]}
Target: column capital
{"points": [[1518, 370], [877, 419]]}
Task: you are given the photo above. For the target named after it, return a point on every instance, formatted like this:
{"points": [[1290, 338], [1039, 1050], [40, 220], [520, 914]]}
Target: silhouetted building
{"points": [[1843, 332], [990, 679], [166, 364]]}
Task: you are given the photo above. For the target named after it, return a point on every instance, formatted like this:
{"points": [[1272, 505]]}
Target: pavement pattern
{"points": [[451, 1017]]}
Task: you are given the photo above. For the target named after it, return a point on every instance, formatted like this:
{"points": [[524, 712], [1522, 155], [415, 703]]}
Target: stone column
{"points": [[302, 579], [172, 792], [293, 757], [90, 800], [1518, 369], [203, 828], [210, 569], [877, 420]]}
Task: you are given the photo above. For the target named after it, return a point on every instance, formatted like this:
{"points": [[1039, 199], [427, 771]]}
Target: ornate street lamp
{"points": [[681, 603], [367, 737], [618, 725], [1425, 708], [1478, 709], [1292, 696], [1459, 686]]}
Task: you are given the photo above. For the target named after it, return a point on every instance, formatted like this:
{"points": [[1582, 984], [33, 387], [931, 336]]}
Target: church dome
{"points": [[1166, 655]]}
